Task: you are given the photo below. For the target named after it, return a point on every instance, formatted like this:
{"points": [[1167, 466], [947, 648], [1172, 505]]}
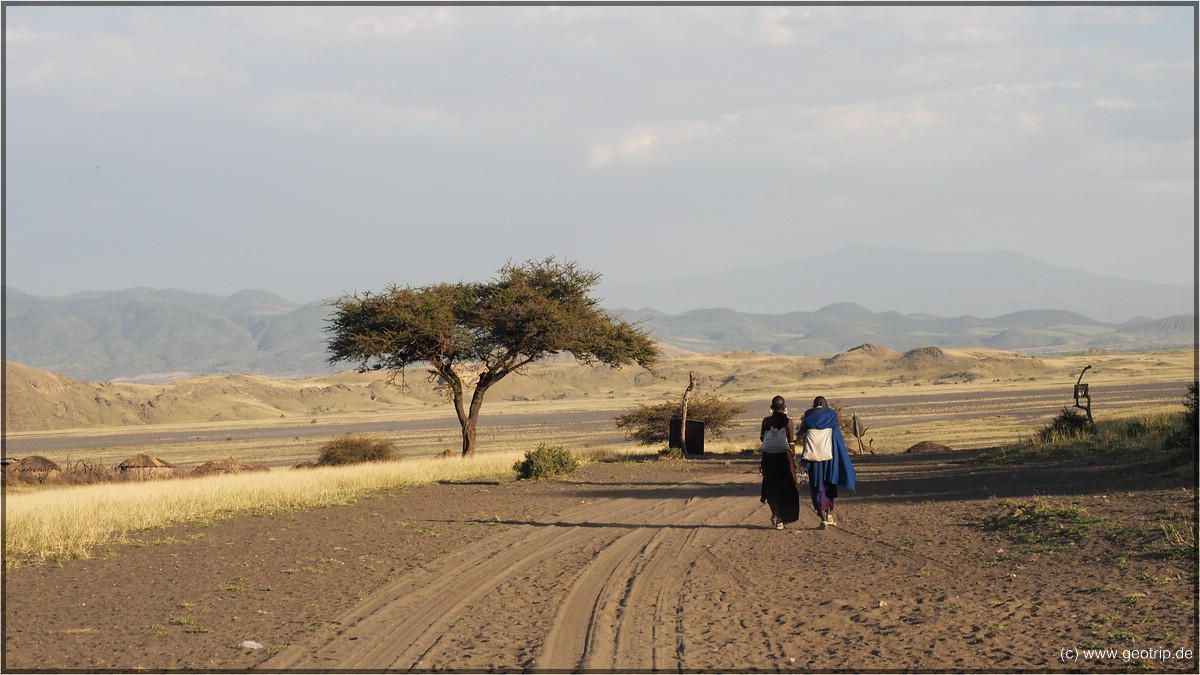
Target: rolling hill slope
{"points": [[146, 335]]}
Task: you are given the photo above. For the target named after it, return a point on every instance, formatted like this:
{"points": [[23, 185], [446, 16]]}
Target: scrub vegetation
{"points": [[546, 461], [1152, 443], [650, 424], [356, 449]]}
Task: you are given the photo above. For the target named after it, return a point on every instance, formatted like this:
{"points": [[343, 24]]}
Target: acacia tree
{"points": [[530, 312]]}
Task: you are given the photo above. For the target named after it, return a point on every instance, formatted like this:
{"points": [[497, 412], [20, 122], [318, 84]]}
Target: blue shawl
{"points": [[842, 473]]}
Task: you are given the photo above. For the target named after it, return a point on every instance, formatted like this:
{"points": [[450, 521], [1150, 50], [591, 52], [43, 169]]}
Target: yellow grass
{"points": [[71, 522]]}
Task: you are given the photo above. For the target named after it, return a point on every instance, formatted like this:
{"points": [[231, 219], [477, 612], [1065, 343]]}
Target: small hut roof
{"points": [[927, 446], [229, 465], [37, 463], [144, 461]]}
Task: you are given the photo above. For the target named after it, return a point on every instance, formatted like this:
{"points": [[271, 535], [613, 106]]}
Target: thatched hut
{"points": [[37, 469], [229, 465], [145, 467]]}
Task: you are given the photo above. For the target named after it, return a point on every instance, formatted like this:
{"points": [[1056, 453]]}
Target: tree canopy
{"points": [[529, 312]]}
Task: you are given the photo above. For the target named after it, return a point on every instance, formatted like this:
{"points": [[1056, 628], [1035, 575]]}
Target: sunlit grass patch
{"points": [[614, 453], [1144, 440], [1180, 538], [72, 522]]}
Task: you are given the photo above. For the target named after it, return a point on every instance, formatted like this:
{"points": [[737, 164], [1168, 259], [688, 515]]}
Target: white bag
{"points": [[775, 440], [818, 445]]}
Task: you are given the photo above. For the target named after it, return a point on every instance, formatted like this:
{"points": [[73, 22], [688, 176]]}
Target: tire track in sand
{"points": [[616, 567], [624, 611]]}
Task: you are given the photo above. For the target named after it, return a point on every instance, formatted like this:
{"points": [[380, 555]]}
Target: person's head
{"points": [[820, 402], [778, 405]]}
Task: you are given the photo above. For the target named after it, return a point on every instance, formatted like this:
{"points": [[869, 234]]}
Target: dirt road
{"points": [[687, 577], [602, 585], [663, 565]]}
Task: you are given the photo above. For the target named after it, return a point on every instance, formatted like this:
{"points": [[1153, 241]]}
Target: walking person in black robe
{"points": [[778, 450]]}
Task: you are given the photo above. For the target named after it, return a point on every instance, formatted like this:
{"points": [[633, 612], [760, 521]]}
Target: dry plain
{"points": [[652, 565], [964, 399]]}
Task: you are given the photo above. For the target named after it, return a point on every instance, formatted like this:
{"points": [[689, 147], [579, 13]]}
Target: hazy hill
{"points": [[148, 335], [983, 283], [839, 327]]}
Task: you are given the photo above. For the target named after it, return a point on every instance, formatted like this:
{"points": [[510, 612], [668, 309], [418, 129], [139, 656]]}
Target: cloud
{"points": [[1024, 90], [225, 54], [942, 27], [773, 25], [873, 113], [976, 35], [1118, 17], [344, 112], [835, 134], [399, 26], [108, 71], [636, 144], [281, 29]]}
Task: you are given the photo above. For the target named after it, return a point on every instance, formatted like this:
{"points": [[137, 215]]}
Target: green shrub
{"points": [[1160, 424], [1180, 443], [1190, 407], [546, 461], [355, 449], [1067, 424], [1185, 436], [667, 452]]}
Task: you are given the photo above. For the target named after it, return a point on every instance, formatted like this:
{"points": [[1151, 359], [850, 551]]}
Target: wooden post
{"points": [[687, 393]]}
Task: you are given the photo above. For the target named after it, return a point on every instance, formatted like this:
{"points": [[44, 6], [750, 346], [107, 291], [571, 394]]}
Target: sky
{"points": [[315, 151]]}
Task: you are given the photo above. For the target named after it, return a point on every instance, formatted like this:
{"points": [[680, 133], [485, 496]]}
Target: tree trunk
{"points": [[468, 438], [454, 383], [472, 417], [467, 424]]}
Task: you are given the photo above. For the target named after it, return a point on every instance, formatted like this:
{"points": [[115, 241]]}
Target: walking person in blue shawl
{"points": [[826, 458]]}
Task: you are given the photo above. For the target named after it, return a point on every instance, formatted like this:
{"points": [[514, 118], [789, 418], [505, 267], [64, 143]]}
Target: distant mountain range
{"points": [[143, 334], [843, 326], [147, 335], [982, 283]]}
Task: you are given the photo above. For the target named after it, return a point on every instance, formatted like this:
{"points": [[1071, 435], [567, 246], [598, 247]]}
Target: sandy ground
{"points": [[658, 565]]}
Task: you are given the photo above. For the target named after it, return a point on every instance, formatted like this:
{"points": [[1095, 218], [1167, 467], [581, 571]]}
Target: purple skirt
{"points": [[823, 492]]}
